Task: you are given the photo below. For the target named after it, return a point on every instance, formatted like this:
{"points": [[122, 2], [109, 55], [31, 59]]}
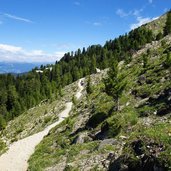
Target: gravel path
{"points": [[15, 159]]}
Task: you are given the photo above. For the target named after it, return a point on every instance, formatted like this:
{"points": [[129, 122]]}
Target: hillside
{"points": [[125, 126], [157, 25], [35, 119], [96, 137], [20, 151]]}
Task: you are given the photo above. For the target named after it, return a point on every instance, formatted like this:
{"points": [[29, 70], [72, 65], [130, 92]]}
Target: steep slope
{"points": [[19, 152], [37, 118], [97, 137], [157, 25]]}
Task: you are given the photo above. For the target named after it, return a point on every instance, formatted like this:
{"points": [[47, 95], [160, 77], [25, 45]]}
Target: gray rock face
{"points": [[81, 138], [107, 142], [142, 79]]}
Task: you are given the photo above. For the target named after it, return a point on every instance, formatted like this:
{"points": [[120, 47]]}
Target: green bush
{"points": [[74, 100], [159, 36], [130, 117], [2, 123], [2, 146], [112, 127], [145, 111], [168, 60], [89, 88], [47, 119], [96, 119], [19, 130]]}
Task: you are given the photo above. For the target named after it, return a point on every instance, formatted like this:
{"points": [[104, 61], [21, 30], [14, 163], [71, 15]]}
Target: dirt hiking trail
{"points": [[15, 159]]}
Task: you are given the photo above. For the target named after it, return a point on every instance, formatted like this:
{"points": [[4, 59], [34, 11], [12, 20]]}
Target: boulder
{"points": [[105, 142], [81, 138], [142, 79]]}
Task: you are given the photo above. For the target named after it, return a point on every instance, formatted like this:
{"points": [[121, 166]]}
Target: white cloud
{"points": [[122, 13], [137, 12], [9, 48], [17, 18], [59, 54], [141, 21], [9, 53], [37, 52], [97, 24]]}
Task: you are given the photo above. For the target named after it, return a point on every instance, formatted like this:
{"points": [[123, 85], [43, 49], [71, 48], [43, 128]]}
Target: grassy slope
{"points": [[157, 25], [137, 120], [35, 119], [58, 150]]}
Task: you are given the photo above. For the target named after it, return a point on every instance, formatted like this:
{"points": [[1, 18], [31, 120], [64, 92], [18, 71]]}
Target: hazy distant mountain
{"points": [[16, 67]]}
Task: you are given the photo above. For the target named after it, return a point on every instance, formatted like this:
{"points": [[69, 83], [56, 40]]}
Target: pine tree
{"points": [[145, 61], [168, 59], [159, 36], [89, 87], [2, 123], [12, 97], [167, 29], [114, 84], [93, 64]]}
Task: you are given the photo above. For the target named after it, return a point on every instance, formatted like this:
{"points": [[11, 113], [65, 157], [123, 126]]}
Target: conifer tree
{"points": [[2, 123], [168, 60], [89, 87], [114, 84], [167, 29]]}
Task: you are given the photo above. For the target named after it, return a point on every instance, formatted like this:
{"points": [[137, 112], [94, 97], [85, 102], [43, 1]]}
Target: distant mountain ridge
{"points": [[16, 68]]}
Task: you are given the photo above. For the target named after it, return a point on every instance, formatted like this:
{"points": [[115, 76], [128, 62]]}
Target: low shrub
{"points": [[96, 119]]}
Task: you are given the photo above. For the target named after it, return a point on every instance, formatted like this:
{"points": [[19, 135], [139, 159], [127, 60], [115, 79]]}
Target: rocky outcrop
{"points": [[81, 138], [145, 157]]}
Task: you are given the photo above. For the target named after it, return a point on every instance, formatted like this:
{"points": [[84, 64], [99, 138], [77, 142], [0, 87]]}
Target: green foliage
{"points": [[2, 123], [114, 85], [2, 146], [96, 119], [129, 117], [19, 130], [145, 61], [47, 119], [167, 29], [120, 126], [145, 111], [19, 93], [74, 100], [159, 36], [152, 139], [168, 59], [114, 126], [89, 88]]}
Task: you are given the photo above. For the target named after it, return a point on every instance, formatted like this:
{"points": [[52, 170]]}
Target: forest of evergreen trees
{"points": [[19, 93]]}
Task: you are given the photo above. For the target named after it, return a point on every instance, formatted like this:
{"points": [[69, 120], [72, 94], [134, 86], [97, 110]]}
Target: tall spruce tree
{"points": [[89, 86], [114, 84], [167, 29]]}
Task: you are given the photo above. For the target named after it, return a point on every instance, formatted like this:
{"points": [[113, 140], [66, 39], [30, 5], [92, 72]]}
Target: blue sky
{"points": [[43, 30]]}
